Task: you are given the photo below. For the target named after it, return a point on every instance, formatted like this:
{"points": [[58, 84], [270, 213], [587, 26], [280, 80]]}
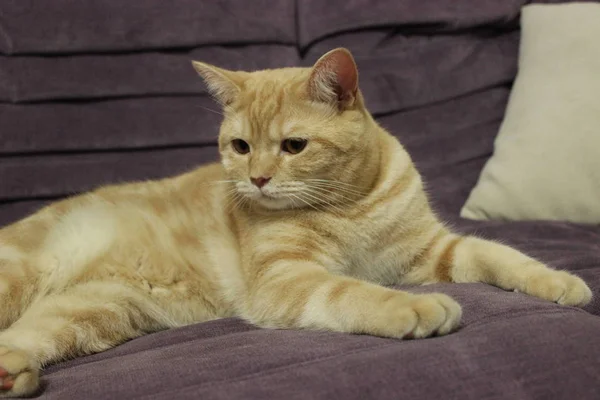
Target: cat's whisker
{"points": [[341, 183], [304, 201], [232, 190], [348, 186], [337, 188], [293, 200], [244, 202], [229, 193], [228, 203], [239, 202], [322, 200], [331, 201], [232, 197], [211, 110], [332, 196], [225, 181], [224, 107], [210, 183]]}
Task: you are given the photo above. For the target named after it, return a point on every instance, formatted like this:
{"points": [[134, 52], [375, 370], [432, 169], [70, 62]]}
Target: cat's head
{"points": [[294, 137]]}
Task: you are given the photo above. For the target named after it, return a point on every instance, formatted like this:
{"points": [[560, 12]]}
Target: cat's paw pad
{"points": [[19, 376], [560, 287], [436, 314]]}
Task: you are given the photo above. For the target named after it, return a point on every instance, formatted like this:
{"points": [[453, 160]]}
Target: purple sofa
{"points": [[100, 91]]}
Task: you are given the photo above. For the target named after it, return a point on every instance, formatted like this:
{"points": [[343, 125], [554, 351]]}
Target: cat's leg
{"points": [[469, 259], [18, 282], [302, 294], [19, 279], [86, 319]]}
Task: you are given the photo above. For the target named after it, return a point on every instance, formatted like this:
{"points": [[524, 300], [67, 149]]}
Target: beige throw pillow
{"points": [[546, 161]]}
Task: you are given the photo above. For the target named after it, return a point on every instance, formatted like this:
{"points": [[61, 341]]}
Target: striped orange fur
{"points": [[311, 248]]}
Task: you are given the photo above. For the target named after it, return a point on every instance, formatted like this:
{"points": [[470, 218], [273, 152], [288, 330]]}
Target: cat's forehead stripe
{"points": [[262, 108]]}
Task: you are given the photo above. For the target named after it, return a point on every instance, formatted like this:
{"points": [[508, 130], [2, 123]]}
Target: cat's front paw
{"points": [[432, 314], [19, 376], [558, 286]]}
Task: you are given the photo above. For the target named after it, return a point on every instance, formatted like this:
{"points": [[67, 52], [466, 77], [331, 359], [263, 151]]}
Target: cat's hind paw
{"points": [[19, 375], [560, 287]]}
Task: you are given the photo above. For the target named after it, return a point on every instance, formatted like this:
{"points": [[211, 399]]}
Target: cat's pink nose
{"points": [[260, 182]]}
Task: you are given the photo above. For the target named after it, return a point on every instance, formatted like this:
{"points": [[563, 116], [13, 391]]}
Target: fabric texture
{"points": [[546, 161], [93, 92]]}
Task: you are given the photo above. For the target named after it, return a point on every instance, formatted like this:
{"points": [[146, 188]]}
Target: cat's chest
{"points": [[371, 249]]}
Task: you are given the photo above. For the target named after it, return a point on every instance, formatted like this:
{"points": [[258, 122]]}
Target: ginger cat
{"points": [[313, 207]]}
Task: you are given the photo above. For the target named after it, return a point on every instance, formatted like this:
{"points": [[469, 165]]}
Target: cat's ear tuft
{"points": [[223, 84], [334, 78]]}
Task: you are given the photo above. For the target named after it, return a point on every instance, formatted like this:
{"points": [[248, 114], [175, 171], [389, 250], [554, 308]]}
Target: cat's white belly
{"points": [[81, 236]]}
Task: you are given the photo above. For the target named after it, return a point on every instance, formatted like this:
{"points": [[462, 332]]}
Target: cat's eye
{"points": [[293, 146], [240, 146]]}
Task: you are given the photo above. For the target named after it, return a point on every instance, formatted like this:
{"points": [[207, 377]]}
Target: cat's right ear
{"points": [[223, 84], [334, 79]]}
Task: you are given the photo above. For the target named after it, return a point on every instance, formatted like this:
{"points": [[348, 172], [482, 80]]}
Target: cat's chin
{"points": [[277, 204]]}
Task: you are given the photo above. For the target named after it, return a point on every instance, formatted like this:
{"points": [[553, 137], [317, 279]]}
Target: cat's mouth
{"points": [[271, 197], [267, 195], [272, 193], [273, 200]]}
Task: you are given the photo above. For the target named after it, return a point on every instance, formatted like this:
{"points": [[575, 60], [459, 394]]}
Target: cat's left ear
{"points": [[223, 84], [334, 79]]}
